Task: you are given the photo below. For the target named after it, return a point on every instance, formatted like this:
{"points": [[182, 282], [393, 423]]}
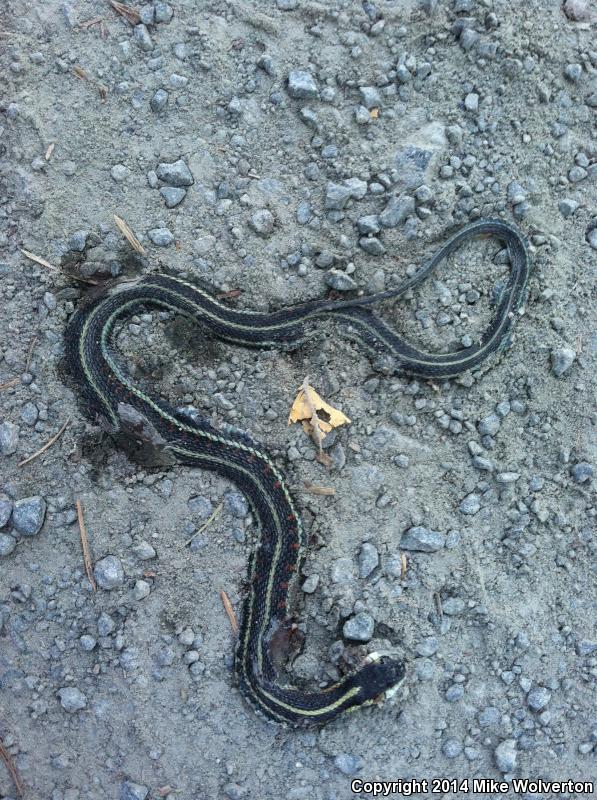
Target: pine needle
{"points": [[85, 546], [326, 491], [229, 611], [47, 445], [215, 513], [129, 235]]}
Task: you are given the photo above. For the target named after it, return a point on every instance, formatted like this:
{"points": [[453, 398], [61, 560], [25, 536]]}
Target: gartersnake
{"points": [[275, 563]]}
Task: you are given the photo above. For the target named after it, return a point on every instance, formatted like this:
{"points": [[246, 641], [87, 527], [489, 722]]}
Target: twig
{"points": [[229, 611], [130, 14], [327, 491], [85, 546], [129, 235], [49, 151], [48, 444], [80, 73], [8, 384], [10, 766], [205, 524], [90, 22]]}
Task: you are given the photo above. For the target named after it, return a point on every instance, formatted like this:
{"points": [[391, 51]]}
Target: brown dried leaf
{"points": [[317, 417]]}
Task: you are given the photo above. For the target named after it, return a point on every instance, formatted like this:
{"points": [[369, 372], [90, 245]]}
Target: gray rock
{"points": [[422, 540], [573, 72], [109, 573], [175, 173], [28, 515], [538, 698], [262, 222], [368, 559], [172, 195], [567, 207], [489, 716], [201, 506], [9, 438], [581, 472], [577, 10], [301, 85], [339, 281], [159, 101], [577, 174], [133, 791], [310, 584], [356, 187], [369, 224], [470, 505], [141, 590], [336, 196], [452, 748], [489, 425], [5, 509], [142, 38], [144, 551], [359, 628], [309, 117], [163, 12], [505, 755], [585, 647], [87, 642], [372, 245], [453, 606], [348, 764], [561, 360], [427, 647], [105, 624], [119, 172], [471, 102], [77, 241], [412, 165], [236, 504], [397, 210], [454, 693], [362, 115], [515, 193], [7, 544], [72, 699], [592, 238], [370, 97], [161, 237]]}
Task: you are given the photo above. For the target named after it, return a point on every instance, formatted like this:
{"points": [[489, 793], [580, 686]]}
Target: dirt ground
{"points": [[316, 146]]}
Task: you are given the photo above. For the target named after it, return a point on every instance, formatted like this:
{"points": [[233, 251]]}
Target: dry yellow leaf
{"points": [[317, 417], [374, 113]]}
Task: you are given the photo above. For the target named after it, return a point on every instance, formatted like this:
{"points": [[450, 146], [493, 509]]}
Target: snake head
{"points": [[379, 678]]}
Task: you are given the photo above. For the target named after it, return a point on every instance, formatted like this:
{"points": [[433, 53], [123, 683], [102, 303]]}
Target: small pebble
{"points": [[359, 628], [28, 515], [422, 540], [72, 699], [109, 573], [561, 360]]}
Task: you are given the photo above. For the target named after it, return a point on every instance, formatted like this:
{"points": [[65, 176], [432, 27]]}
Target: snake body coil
{"points": [[275, 563]]}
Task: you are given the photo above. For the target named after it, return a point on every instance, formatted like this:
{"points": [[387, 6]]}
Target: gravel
{"points": [[72, 699], [282, 154], [28, 515], [109, 573]]}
